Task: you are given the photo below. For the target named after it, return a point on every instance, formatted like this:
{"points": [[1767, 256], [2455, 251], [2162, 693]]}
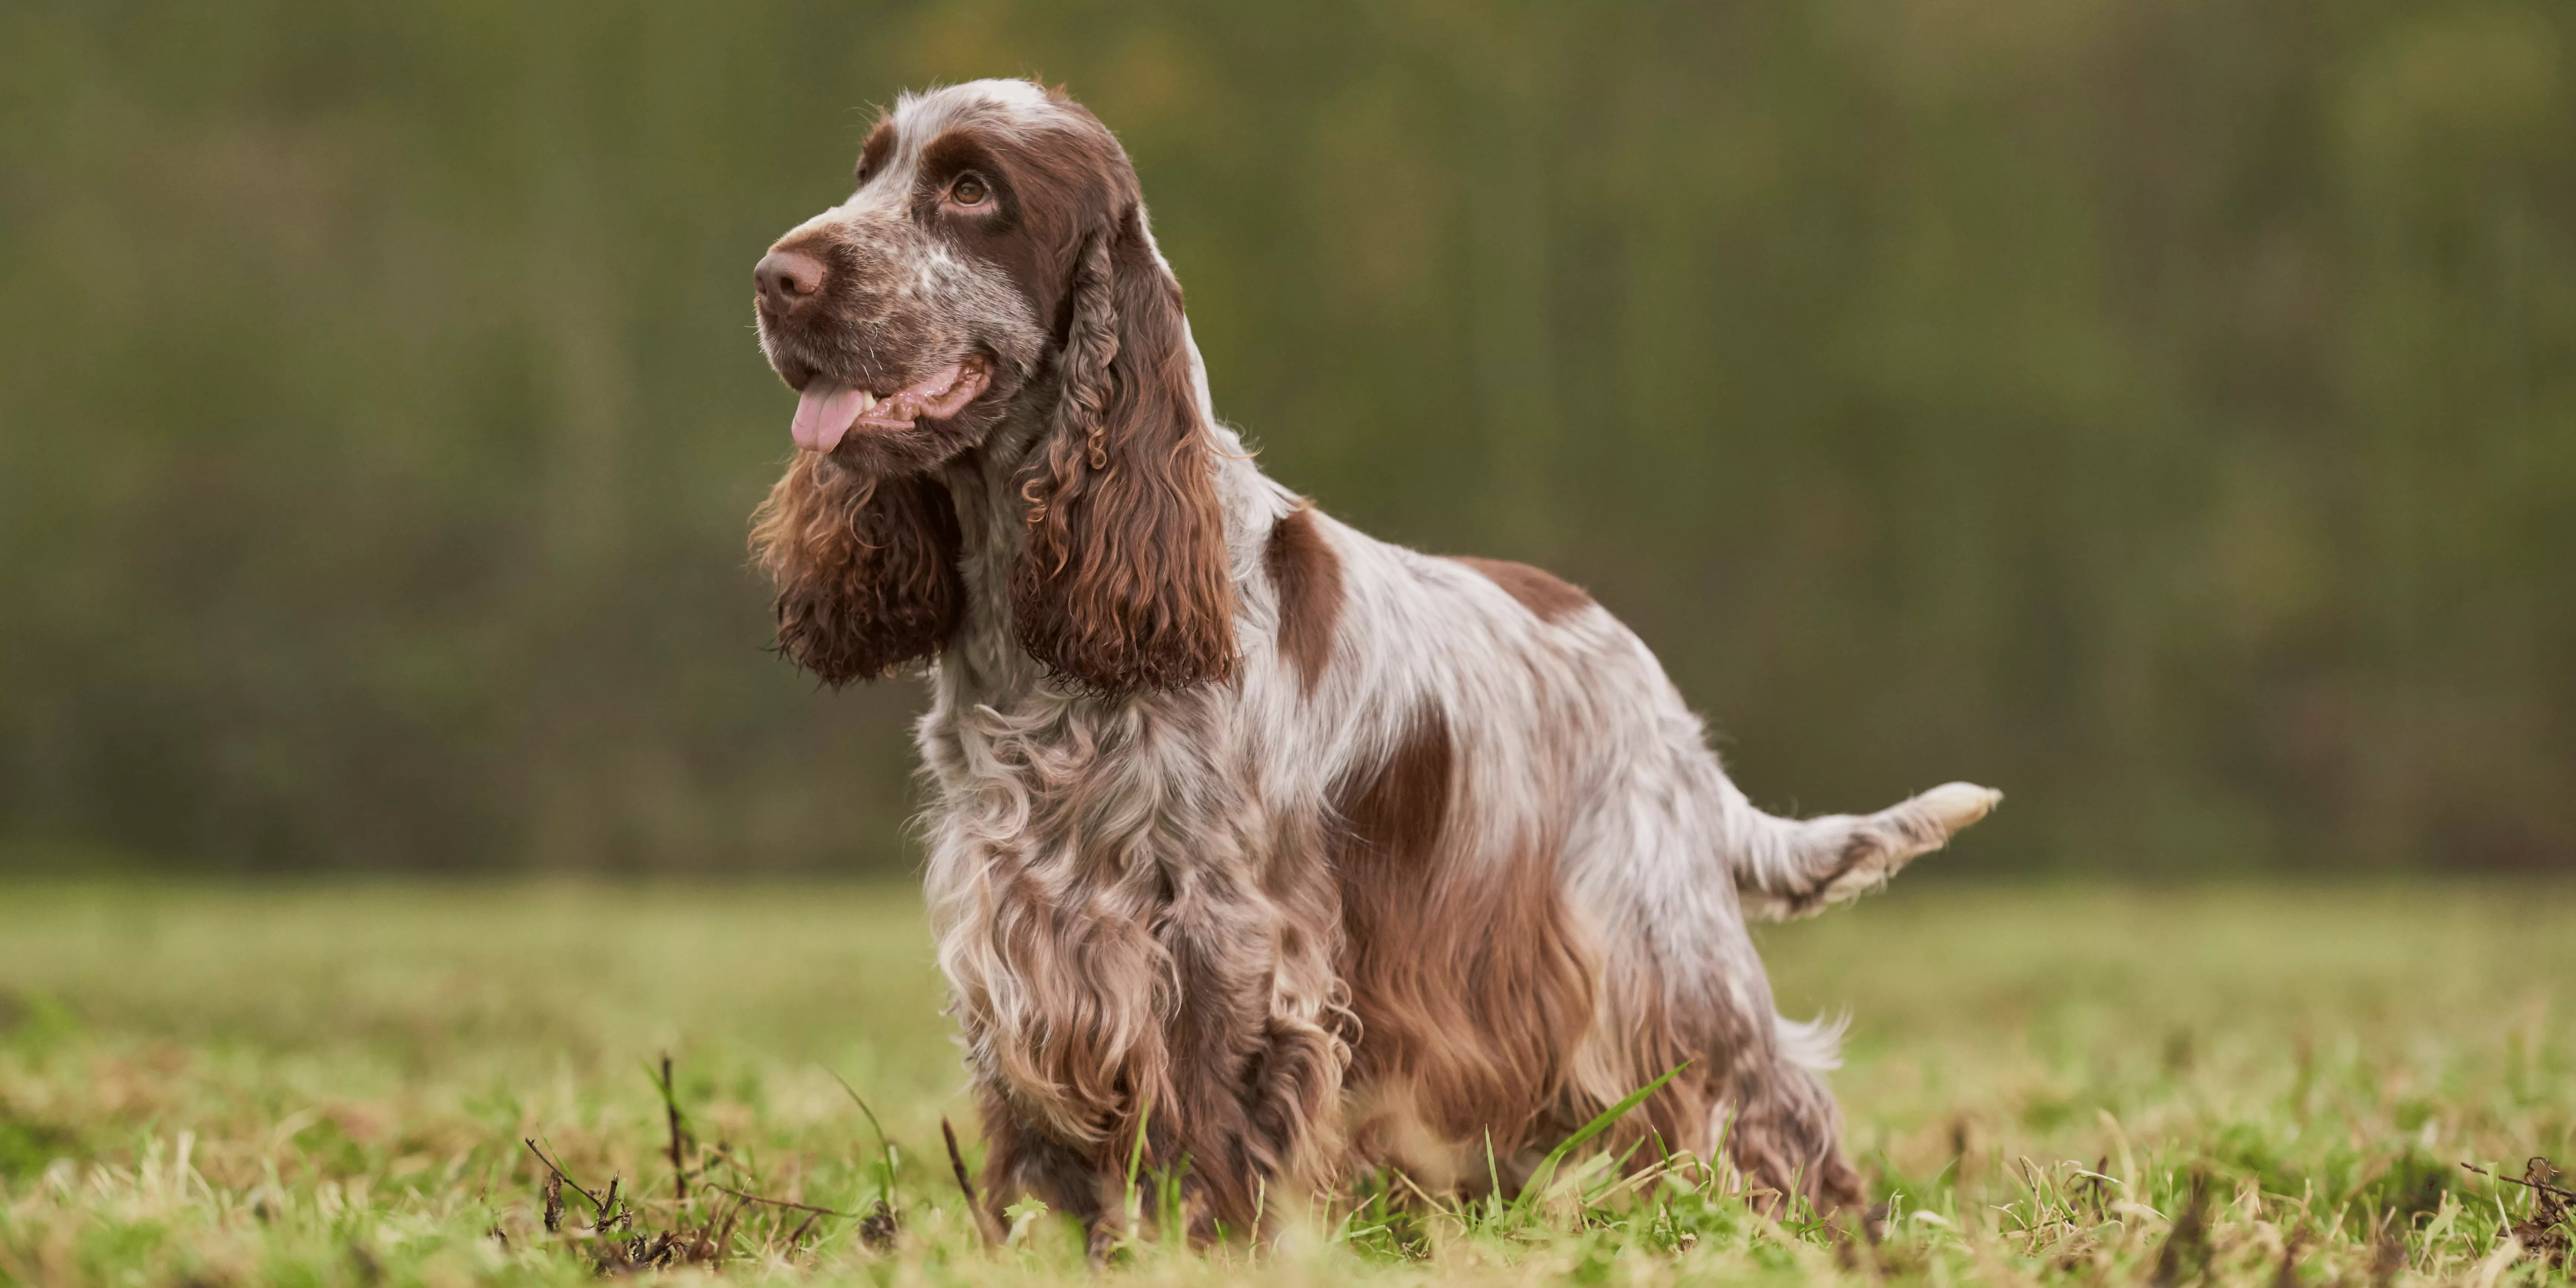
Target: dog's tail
{"points": [[1788, 867]]}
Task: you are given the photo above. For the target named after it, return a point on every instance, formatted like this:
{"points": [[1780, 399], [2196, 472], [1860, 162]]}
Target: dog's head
{"points": [[994, 262]]}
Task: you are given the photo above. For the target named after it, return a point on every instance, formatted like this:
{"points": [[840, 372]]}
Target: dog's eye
{"points": [[969, 190]]}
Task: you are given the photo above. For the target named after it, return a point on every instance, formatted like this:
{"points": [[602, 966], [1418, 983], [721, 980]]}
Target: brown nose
{"points": [[786, 279]]}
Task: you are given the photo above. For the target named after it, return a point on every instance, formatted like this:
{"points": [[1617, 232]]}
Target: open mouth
{"points": [[827, 410]]}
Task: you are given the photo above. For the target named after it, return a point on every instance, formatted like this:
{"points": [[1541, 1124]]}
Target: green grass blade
{"points": [[1600, 1123], [885, 1144]]}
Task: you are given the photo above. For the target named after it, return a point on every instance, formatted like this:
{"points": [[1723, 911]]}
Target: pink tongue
{"points": [[823, 413]]}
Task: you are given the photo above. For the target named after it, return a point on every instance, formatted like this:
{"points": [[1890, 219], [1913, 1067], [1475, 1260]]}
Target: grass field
{"points": [[330, 1085]]}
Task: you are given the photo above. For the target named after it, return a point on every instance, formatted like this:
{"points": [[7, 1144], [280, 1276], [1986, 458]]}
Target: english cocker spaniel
{"points": [[1290, 849]]}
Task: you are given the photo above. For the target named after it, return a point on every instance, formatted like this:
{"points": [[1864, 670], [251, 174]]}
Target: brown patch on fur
{"points": [[866, 569], [1464, 969], [1308, 577], [1551, 597], [873, 153], [1054, 188], [1124, 584]]}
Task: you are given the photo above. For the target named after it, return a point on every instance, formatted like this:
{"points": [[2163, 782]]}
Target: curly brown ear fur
{"points": [[866, 569], [1124, 584]]}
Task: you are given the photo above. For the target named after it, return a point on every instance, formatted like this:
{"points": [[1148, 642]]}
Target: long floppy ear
{"points": [[1124, 584], [866, 569]]}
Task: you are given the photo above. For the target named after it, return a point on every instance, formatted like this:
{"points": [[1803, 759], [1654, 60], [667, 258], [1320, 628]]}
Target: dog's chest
{"points": [[1031, 769]]}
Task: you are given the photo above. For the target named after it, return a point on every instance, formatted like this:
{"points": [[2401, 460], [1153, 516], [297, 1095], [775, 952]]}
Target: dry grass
{"points": [[2262, 1085]]}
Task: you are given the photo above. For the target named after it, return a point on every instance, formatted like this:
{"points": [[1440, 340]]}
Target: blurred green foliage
{"points": [[2165, 411]]}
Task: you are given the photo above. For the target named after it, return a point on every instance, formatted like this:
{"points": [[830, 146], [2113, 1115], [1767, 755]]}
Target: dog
{"points": [[1268, 848]]}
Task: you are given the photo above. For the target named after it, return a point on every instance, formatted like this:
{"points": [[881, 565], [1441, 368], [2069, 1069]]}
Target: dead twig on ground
{"points": [[2544, 1234], [985, 1222], [561, 1176], [762, 1198], [671, 1110]]}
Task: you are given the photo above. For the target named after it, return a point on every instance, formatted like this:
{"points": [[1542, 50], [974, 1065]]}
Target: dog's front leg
{"points": [[1256, 1066], [1192, 1044], [1065, 998], [1024, 1160]]}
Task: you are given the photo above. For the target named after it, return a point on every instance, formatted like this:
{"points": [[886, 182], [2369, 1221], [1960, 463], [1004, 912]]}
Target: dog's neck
{"points": [[992, 526]]}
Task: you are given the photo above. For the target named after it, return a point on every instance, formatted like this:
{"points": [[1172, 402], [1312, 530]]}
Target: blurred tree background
{"points": [[2162, 409]]}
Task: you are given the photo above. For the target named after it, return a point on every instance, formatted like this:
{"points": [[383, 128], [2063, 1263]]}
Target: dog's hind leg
{"points": [[1787, 867]]}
